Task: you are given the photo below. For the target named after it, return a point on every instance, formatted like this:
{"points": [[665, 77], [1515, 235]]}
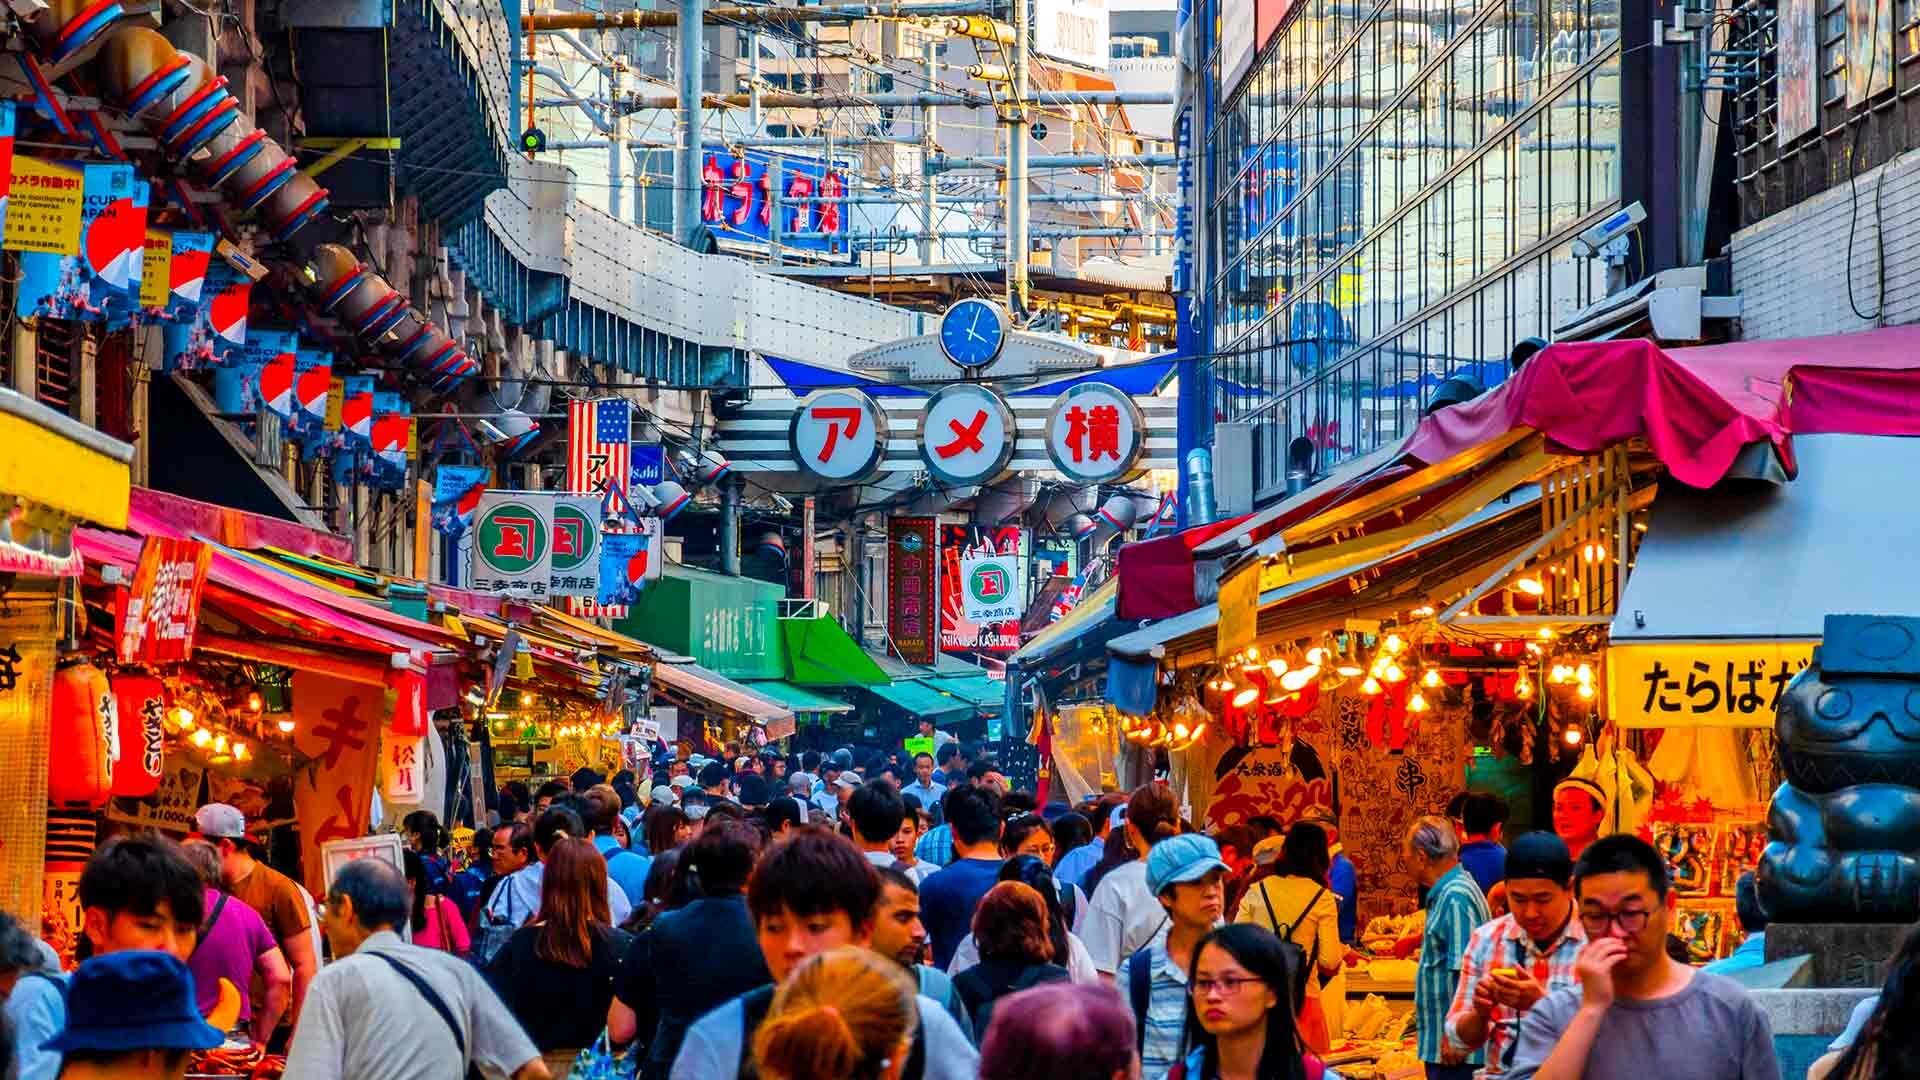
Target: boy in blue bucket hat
{"points": [[1188, 875], [131, 1016]]}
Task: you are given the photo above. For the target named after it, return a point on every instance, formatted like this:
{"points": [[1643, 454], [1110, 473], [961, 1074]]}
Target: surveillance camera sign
{"points": [[990, 588]]}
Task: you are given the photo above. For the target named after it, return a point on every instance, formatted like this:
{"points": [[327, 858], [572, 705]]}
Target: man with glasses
{"points": [[1638, 1012], [1519, 958]]}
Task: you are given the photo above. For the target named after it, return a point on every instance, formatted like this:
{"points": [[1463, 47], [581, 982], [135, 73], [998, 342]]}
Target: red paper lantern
{"points": [[81, 741], [141, 701]]}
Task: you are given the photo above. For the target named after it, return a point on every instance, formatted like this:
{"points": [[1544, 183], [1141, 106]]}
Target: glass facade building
{"points": [[1387, 198]]}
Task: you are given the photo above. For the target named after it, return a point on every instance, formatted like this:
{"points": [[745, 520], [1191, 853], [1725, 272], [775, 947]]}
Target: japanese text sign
{"points": [[839, 435], [43, 207], [513, 544], [1718, 684], [163, 603], [990, 588], [913, 577], [966, 434], [737, 200], [1095, 433], [961, 632]]}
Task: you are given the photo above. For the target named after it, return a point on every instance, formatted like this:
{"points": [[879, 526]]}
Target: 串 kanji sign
{"points": [[163, 603], [839, 435], [1095, 433], [576, 546], [1701, 685], [967, 434], [990, 588], [513, 544]]}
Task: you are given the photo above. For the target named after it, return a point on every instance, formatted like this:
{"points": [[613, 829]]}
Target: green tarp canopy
{"points": [[923, 699], [798, 698], [821, 653]]}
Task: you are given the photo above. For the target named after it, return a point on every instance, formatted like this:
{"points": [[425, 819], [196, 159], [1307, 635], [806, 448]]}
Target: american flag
{"points": [[599, 445], [599, 456]]}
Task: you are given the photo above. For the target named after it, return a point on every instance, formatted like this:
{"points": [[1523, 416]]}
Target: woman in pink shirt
{"points": [[437, 923]]}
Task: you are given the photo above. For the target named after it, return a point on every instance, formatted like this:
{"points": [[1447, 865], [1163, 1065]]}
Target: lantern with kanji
{"points": [[84, 737], [141, 702]]}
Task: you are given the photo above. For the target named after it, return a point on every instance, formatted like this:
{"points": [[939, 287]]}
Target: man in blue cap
{"points": [[132, 1016], [1188, 875]]}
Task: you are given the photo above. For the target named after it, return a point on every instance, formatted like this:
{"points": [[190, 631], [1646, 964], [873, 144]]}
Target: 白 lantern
{"points": [[83, 738], [141, 701]]}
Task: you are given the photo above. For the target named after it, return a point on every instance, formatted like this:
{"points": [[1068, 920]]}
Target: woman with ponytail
{"points": [[1124, 914], [846, 1014]]}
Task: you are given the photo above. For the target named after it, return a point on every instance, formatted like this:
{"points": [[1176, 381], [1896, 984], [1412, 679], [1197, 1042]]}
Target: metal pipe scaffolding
{"points": [[944, 163], [776, 100], [546, 22], [1094, 232]]}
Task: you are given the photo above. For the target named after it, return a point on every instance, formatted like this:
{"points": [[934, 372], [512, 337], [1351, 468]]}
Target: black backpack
{"points": [[754, 1006]]}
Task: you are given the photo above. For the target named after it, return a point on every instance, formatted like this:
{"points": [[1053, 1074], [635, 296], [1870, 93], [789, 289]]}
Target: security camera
{"points": [[780, 502], [1590, 241]]}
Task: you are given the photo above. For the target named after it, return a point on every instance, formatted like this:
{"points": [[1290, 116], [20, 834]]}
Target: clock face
{"points": [[972, 333]]}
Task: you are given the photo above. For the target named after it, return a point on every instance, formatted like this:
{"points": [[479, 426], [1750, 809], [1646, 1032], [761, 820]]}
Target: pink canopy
{"points": [[157, 513], [1696, 407]]}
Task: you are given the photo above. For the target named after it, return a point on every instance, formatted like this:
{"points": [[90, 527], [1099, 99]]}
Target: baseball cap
{"points": [[133, 1001], [845, 780], [1267, 851], [1539, 855], [220, 821], [662, 795], [1183, 858], [682, 782], [843, 759]]}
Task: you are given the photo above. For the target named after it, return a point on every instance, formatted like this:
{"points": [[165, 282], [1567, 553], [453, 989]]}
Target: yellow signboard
{"points": [[156, 269], [1703, 684], [43, 208], [1239, 610]]}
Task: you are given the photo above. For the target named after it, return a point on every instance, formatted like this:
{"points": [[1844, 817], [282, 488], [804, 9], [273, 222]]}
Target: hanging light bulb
{"points": [[1586, 690], [1393, 673], [1349, 671], [1573, 736], [1584, 673], [201, 737], [1431, 679], [1393, 644], [1423, 611], [1298, 678], [1277, 666], [286, 726], [1246, 697], [1417, 702], [1319, 655], [220, 744], [1522, 686], [1371, 686], [182, 717], [1558, 674], [1546, 633], [1530, 585], [240, 751], [1253, 653], [255, 703]]}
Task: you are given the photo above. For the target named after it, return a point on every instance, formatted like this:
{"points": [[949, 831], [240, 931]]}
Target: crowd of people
{"points": [[814, 920]]}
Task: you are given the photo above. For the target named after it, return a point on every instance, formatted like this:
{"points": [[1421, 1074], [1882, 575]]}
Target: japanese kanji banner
{"points": [[1706, 684], [43, 206], [163, 603], [991, 589], [913, 579], [103, 269], [337, 726]]}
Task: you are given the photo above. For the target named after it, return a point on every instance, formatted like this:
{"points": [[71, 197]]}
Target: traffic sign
{"points": [[967, 434], [839, 435], [1095, 433], [513, 543]]}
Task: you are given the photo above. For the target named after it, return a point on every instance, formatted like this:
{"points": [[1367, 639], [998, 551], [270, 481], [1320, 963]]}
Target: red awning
{"points": [[1156, 576], [157, 513], [1696, 407]]}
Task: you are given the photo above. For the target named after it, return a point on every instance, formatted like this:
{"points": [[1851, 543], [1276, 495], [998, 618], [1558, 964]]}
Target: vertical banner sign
{"points": [[960, 633], [599, 447], [991, 588], [513, 544], [913, 577], [390, 433], [163, 603], [103, 269], [1869, 49], [156, 270], [218, 327], [43, 207], [1239, 611], [337, 727], [312, 390], [456, 495], [649, 464], [260, 375], [1798, 55], [7, 121], [187, 270], [628, 562], [576, 546]]}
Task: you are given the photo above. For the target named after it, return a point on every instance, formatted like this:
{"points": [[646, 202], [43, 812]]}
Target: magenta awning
{"points": [[151, 512]]}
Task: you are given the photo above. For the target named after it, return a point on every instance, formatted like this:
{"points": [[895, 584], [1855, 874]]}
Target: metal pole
{"points": [[808, 559], [687, 183], [929, 62], [753, 82], [1017, 171], [730, 526], [781, 99], [776, 184], [616, 147]]}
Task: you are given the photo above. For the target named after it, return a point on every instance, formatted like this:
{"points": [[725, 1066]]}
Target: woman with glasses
{"points": [[1240, 1011]]}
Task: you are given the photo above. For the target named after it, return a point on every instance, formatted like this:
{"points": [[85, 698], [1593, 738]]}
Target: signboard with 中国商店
{"points": [[1701, 684]]}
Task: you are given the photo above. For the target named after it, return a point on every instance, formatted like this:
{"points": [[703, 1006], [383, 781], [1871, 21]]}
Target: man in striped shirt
{"points": [[1188, 875], [1517, 959], [1455, 909]]}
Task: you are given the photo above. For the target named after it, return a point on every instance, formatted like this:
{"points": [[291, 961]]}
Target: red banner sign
{"points": [[163, 604], [913, 579]]}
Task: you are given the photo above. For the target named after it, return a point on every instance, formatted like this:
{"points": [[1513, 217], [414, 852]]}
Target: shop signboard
{"points": [[156, 269], [335, 854], [513, 544], [990, 588], [170, 808], [649, 463], [913, 579], [960, 544], [1701, 684], [737, 205], [727, 624], [1239, 610], [163, 603], [1077, 31], [1095, 433], [43, 206], [576, 546], [839, 435], [967, 434]]}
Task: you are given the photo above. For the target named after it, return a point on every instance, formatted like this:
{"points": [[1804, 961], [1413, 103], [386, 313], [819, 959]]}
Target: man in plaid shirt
{"points": [[1517, 959]]}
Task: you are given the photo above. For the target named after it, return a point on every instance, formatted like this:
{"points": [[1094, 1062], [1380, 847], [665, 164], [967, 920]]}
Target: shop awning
{"points": [[802, 701], [1771, 562], [166, 514], [710, 691], [1093, 609], [821, 653], [1443, 561], [53, 461], [929, 698]]}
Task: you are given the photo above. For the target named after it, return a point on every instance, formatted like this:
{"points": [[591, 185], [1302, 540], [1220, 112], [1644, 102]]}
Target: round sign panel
{"points": [[967, 434], [576, 537], [511, 538], [1095, 433], [838, 435]]}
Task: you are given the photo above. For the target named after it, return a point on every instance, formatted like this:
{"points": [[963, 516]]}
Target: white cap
{"points": [[220, 821]]}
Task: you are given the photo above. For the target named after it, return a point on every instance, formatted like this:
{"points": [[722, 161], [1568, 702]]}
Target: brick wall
{"points": [[1791, 269]]}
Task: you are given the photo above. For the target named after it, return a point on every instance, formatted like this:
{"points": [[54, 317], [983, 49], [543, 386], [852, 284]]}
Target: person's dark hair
{"points": [[19, 949], [712, 774], [206, 861], [1457, 805], [660, 823], [974, 813], [1746, 904], [1885, 1048], [519, 836], [810, 761], [923, 754], [876, 810], [1031, 870], [724, 809], [417, 884], [1019, 827], [981, 768], [663, 892], [945, 754], [584, 778], [782, 809], [1061, 1031], [602, 806], [573, 903], [552, 789], [814, 872], [1071, 830], [1266, 824], [719, 860], [1010, 924], [483, 842], [555, 823], [892, 875], [1152, 809], [518, 789], [1304, 853], [138, 872], [1482, 812], [1019, 802], [912, 803], [1118, 852], [1265, 957], [424, 824], [1237, 837], [1623, 854], [379, 893]]}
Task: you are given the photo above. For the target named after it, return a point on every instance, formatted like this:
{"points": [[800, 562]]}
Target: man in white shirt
{"points": [[924, 787], [1124, 914], [517, 899]]}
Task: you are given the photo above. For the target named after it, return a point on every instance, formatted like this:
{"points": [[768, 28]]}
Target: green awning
{"points": [[978, 689], [798, 698], [821, 653], [918, 699]]}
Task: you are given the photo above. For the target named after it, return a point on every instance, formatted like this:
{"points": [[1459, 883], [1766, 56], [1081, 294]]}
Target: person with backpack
{"points": [[36, 1000], [235, 944], [1016, 952], [1068, 950], [1188, 876], [1240, 1016], [812, 892], [1296, 905]]}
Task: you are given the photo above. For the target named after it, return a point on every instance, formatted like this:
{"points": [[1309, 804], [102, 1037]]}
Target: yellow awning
{"points": [[60, 464]]}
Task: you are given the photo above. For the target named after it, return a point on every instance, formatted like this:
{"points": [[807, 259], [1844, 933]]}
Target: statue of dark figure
{"points": [[1844, 829]]}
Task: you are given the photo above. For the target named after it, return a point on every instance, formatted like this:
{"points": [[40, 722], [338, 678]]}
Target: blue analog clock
{"points": [[973, 332]]}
